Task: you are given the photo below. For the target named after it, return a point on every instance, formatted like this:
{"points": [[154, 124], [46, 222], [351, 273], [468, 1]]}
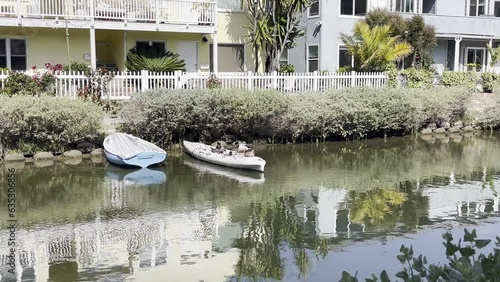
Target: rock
{"points": [[224, 144], [97, 152], [426, 131], [58, 158], [86, 156], [44, 163], [73, 154], [85, 146], [431, 126], [454, 130], [43, 156], [29, 160], [426, 137], [458, 124], [468, 129], [445, 125], [97, 159], [14, 157], [73, 161], [440, 131]]}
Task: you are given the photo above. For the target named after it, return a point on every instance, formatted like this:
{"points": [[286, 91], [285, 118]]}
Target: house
{"points": [[207, 35], [463, 28]]}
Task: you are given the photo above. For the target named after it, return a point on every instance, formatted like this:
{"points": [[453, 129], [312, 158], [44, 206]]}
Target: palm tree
{"points": [[495, 55], [374, 48]]}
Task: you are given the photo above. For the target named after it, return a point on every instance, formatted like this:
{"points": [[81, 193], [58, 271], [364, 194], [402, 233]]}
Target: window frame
{"points": [[468, 8], [8, 52], [153, 41], [314, 59], [287, 57], [413, 6], [485, 54], [210, 55], [353, 12], [343, 47], [309, 15]]}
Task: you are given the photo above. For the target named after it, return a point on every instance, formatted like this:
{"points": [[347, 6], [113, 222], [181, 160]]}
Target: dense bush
{"points": [[490, 81], [46, 123], [459, 79], [170, 115], [417, 78]]}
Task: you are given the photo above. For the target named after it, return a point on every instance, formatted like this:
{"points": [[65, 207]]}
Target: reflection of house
{"points": [[463, 28], [169, 240], [101, 32]]}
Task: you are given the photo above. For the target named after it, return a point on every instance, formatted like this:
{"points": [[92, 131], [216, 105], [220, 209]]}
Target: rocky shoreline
{"points": [[43, 159]]}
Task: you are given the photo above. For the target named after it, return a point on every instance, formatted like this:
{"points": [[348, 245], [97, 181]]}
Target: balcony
{"points": [[127, 14]]}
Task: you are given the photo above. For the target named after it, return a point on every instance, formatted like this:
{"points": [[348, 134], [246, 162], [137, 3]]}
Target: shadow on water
{"points": [[95, 222]]}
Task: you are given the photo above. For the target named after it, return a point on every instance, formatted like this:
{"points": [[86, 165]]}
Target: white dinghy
{"points": [[229, 158], [127, 150]]}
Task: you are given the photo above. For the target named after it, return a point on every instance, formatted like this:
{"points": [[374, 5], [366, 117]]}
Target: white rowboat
{"points": [[206, 153], [127, 150]]}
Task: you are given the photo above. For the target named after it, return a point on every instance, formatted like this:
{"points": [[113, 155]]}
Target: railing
{"points": [[200, 12], [124, 84]]}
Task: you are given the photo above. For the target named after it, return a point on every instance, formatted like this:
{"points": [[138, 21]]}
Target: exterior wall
{"points": [[450, 7], [441, 55], [231, 30]]}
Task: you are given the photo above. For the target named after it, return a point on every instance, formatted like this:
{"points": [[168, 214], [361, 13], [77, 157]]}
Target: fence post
{"points": [[353, 79], [177, 79], [275, 80], [315, 80], [144, 80], [250, 81]]}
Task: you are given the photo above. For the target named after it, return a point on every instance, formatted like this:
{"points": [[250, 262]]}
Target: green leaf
{"points": [[384, 277], [469, 237], [346, 277], [403, 275], [401, 258], [481, 243], [467, 251]]}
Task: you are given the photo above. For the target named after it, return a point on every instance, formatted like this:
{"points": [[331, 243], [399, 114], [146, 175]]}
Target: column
{"points": [[93, 56], [458, 39], [215, 53], [488, 55], [125, 48]]}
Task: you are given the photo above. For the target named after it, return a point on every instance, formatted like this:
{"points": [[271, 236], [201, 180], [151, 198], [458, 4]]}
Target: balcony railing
{"points": [[200, 12]]}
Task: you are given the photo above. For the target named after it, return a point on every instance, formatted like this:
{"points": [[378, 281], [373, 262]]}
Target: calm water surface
{"points": [[318, 209]]}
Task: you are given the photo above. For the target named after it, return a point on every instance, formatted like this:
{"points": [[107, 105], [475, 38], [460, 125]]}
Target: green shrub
{"points": [[459, 79], [287, 68], [20, 83], [78, 67], [167, 115], [466, 262], [417, 78], [46, 123], [490, 81]]}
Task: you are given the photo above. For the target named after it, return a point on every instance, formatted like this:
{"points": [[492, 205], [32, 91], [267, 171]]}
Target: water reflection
{"points": [[240, 175], [94, 222]]}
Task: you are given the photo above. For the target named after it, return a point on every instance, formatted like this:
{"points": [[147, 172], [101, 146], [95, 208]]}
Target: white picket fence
{"points": [[125, 84]]}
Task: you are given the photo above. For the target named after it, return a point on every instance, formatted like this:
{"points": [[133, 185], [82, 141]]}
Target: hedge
{"points": [[29, 124], [165, 116]]}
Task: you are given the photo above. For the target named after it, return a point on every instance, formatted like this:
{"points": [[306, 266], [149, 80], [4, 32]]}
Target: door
{"points": [[188, 51], [476, 58]]}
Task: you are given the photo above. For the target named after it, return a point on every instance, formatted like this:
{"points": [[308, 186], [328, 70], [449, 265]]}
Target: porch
{"points": [[464, 53]]}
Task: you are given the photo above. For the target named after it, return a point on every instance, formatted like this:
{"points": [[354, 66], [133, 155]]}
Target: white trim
{"points": [[8, 50], [307, 56], [287, 56], [340, 15], [466, 55], [309, 11], [340, 45]]}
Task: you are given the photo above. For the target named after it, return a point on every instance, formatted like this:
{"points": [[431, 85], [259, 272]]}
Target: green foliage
{"points": [[344, 69], [413, 30], [213, 82], [287, 68], [463, 264], [170, 115], [392, 77], [153, 61], [495, 55], [459, 79], [96, 85], [78, 67], [275, 26], [20, 83], [490, 81], [46, 123], [417, 78], [374, 48]]}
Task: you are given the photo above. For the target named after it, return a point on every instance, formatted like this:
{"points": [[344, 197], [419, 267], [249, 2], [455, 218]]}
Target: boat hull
{"points": [[142, 160], [204, 152]]}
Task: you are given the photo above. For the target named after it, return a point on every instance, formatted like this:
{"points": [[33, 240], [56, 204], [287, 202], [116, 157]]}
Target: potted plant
{"points": [[473, 66]]}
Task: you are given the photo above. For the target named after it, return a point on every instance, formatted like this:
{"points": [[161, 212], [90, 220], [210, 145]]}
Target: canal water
{"points": [[318, 209]]}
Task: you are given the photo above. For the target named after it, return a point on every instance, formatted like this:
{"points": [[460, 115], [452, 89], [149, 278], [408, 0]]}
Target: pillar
{"points": [[125, 48], [215, 53], [93, 53], [458, 39], [488, 55]]}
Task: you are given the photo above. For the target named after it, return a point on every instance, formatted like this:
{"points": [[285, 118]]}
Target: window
{"points": [[476, 7], [314, 9], [313, 58], [353, 7], [284, 57], [231, 57], [13, 54], [429, 6], [404, 6], [497, 9], [475, 56], [345, 59], [230, 5], [153, 49]]}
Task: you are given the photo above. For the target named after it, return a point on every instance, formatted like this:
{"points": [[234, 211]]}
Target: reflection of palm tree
{"points": [[374, 206], [271, 228]]}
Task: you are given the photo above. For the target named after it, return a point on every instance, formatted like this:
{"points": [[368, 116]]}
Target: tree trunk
{"points": [[256, 50]]}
